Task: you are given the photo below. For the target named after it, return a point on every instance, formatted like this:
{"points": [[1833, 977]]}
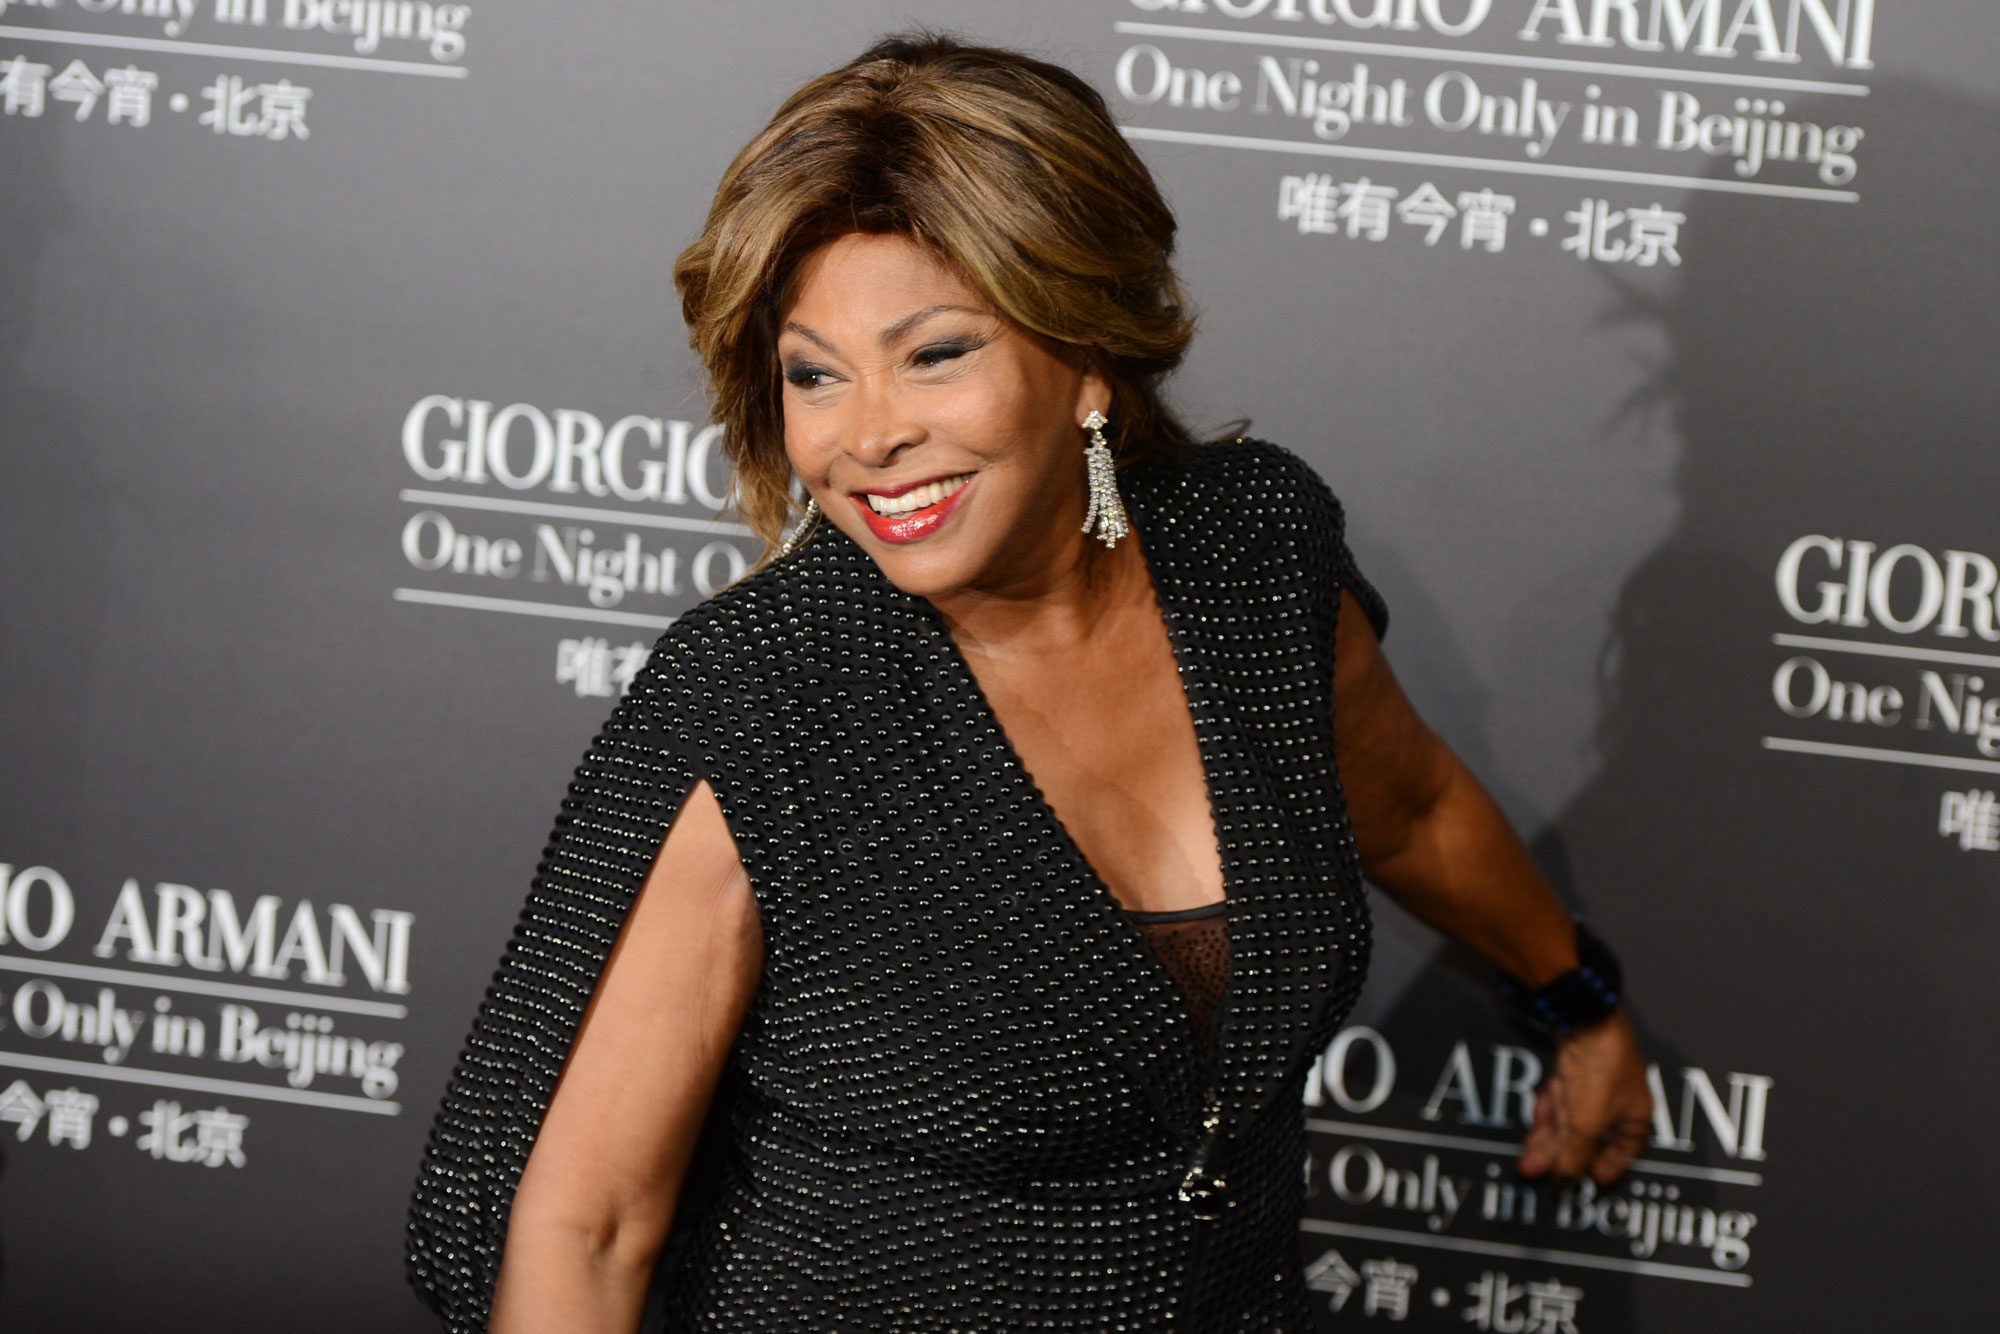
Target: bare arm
{"points": [[597, 1197], [1429, 833]]}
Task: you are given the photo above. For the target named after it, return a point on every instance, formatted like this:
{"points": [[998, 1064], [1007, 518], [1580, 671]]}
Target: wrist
{"points": [[1576, 999]]}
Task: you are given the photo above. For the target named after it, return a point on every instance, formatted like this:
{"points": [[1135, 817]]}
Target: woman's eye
{"points": [[941, 352], [803, 376]]}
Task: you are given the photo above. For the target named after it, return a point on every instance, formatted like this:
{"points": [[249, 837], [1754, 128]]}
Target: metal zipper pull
{"points": [[1202, 1189]]}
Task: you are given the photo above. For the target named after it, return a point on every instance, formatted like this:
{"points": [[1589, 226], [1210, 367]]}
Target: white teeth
{"points": [[918, 497]]}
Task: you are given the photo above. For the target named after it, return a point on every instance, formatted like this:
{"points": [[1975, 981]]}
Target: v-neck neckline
{"points": [[1139, 497], [1295, 908]]}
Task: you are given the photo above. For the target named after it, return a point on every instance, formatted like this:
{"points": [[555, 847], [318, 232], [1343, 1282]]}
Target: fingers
{"points": [[1619, 1148], [1579, 1149], [1570, 1147], [1571, 1154], [1593, 1112], [1538, 1153], [1564, 1147], [1542, 1146], [1602, 1153]]}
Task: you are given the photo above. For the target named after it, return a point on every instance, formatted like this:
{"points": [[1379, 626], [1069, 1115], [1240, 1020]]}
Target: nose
{"points": [[882, 427]]}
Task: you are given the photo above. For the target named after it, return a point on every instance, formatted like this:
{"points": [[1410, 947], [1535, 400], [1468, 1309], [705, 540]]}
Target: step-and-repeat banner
{"points": [[353, 460]]}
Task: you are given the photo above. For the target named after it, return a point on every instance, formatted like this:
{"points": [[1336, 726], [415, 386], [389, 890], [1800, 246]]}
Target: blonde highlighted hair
{"points": [[1007, 169]]}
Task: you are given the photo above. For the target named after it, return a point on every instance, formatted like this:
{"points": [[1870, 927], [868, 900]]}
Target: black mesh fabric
{"points": [[967, 1095], [1193, 946]]}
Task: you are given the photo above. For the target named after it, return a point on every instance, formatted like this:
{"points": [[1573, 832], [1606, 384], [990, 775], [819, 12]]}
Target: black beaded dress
{"points": [[972, 1092]]}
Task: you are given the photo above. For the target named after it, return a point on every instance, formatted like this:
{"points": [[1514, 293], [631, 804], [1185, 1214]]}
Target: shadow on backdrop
{"points": [[1831, 370]]}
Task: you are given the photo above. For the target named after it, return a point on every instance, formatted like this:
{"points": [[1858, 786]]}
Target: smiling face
{"points": [[939, 435]]}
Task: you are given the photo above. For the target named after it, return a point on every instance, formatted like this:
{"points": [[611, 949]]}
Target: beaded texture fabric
{"points": [[968, 1095]]}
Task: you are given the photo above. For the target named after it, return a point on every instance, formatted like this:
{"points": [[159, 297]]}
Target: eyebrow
{"points": [[890, 334]]}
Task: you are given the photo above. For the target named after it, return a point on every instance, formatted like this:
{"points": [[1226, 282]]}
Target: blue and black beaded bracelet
{"points": [[1585, 995]]}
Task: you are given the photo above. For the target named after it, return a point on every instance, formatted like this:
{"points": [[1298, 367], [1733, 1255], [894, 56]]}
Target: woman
{"points": [[939, 932]]}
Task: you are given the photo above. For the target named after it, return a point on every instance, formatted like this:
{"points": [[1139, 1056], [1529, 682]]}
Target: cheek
{"points": [[810, 445], [997, 405]]}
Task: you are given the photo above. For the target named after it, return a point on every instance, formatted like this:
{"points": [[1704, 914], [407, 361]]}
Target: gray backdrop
{"points": [[1661, 413]]}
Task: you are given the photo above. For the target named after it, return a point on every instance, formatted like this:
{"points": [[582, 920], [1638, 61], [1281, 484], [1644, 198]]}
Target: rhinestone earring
{"points": [[1107, 507], [806, 523]]}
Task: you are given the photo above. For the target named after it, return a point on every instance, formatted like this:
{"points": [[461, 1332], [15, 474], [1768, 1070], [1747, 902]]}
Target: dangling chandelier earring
{"points": [[806, 522], [1107, 507]]}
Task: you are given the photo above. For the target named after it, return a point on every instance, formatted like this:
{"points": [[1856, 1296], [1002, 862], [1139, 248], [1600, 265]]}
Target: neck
{"points": [[1063, 607]]}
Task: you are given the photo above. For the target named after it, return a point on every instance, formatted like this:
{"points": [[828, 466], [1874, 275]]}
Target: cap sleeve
{"points": [[620, 803], [1324, 521]]}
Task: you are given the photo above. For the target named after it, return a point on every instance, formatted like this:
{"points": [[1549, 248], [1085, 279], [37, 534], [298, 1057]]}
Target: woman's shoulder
{"points": [[1265, 477], [731, 633], [779, 624], [1282, 502]]}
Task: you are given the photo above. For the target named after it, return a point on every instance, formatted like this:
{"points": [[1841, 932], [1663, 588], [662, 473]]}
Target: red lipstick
{"points": [[913, 525]]}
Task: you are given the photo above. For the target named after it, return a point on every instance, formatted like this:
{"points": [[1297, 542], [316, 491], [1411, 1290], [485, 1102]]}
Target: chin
{"points": [[919, 577]]}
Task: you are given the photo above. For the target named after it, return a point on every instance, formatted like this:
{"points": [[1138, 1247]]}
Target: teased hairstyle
{"points": [[1007, 169]]}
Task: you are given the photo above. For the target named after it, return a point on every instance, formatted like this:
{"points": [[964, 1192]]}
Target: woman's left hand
{"points": [[1594, 1111]]}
